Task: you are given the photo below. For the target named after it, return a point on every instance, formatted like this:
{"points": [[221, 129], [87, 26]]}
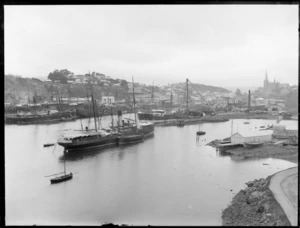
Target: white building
{"points": [[280, 131], [108, 99], [254, 136]]}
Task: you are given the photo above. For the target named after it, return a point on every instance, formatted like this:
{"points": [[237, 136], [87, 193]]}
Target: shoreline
{"points": [[256, 205]]}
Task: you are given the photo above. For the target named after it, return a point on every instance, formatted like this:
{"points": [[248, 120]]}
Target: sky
{"points": [[219, 45]]}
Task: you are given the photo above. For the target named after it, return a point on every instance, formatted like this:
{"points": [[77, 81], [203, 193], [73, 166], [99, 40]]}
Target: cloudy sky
{"points": [[221, 45]]}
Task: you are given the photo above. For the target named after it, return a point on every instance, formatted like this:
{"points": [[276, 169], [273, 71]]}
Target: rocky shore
{"points": [[255, 206]]}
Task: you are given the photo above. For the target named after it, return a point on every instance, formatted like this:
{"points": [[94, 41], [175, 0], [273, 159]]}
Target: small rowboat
{"points": [[62, 178], [49, 144], [252, 144], [200, 132]]}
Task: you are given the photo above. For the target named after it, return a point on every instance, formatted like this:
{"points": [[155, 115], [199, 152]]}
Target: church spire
{"points": [[266, 78]]}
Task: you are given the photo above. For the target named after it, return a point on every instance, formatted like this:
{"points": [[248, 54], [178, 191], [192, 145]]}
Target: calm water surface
{"points": [[169, 179]]}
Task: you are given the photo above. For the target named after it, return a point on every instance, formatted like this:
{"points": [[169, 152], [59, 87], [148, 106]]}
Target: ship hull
{"points": [[129, 139], [61, 178], [40, 119], [100, 143]]}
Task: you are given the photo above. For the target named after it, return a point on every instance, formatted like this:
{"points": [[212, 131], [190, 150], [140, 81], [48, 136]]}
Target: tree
{"points": [[124, 84], [238, 92], [61, 75]]}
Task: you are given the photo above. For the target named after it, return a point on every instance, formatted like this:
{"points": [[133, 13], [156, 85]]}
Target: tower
{"points": [[266, 81]]}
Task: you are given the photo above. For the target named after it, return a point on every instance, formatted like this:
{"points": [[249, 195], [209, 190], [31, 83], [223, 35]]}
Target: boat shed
{"points": [[253, 136]]}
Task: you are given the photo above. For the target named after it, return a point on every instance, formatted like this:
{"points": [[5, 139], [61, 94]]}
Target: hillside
{"points": [[204, 88], [19, 90]]}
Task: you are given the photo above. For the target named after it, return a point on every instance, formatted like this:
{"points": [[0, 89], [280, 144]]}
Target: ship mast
{"points": [[93, 102], [65, 166], [171, 100], [152, 93], [133, 100], [187, 96], [202, 97]]}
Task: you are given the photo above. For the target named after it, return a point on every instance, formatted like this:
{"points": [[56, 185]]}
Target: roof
{"points": [[254, 133]]}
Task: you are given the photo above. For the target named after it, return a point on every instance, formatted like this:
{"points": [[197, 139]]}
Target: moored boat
{"points": [[131, 138], [88, 140], [252, 144], [62, 178], [44, 118], [49, 144], [200, 132]]}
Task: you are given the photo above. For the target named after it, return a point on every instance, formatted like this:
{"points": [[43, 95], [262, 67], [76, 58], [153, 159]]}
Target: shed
{"points": [[254, 136]]}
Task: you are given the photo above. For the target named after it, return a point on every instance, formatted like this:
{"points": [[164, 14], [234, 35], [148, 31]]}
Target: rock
{"points": [[261, 209], [250, 183], [255, 196]]}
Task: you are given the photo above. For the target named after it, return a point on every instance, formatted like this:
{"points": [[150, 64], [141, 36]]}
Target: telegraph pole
{"points": [[187, 96]]}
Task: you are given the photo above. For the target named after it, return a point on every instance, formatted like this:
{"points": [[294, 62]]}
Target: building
{"points": [[275, 109], [255, 136], [281, 132], [273, 87], [108, 100]]}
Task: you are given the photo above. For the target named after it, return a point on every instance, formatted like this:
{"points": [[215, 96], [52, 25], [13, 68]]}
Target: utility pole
{"points": [[133, 100], [94, 113], [249, 100], [187, 96], [171, 100], [152, 93]]}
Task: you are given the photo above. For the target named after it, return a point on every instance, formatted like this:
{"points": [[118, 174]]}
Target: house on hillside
{"points": [[108, 100]]}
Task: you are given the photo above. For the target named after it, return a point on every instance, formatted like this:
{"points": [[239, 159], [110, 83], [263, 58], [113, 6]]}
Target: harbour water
{"points": [[169, 179]]}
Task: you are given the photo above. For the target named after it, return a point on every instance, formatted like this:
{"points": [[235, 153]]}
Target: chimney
{"points": [[249, 100], [120, 118]]}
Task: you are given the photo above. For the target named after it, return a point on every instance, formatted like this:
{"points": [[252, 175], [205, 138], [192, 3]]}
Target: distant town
{"points": [[64, 87]]}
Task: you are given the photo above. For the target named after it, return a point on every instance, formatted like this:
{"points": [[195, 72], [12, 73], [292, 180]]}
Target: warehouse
{"points": [[254, 136]]}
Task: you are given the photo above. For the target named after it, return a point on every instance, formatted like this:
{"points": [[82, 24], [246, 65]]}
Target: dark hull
{"points": [[50, 144], [200, 133], [149, 116], [146, 130], [129, 139], [100, 143], [41, 119], [61, 178]]}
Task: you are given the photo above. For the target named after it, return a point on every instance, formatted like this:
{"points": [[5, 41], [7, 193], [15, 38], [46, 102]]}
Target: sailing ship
{"points": [[42, 117], [133, 132], [63, 177], [89, 139]]}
